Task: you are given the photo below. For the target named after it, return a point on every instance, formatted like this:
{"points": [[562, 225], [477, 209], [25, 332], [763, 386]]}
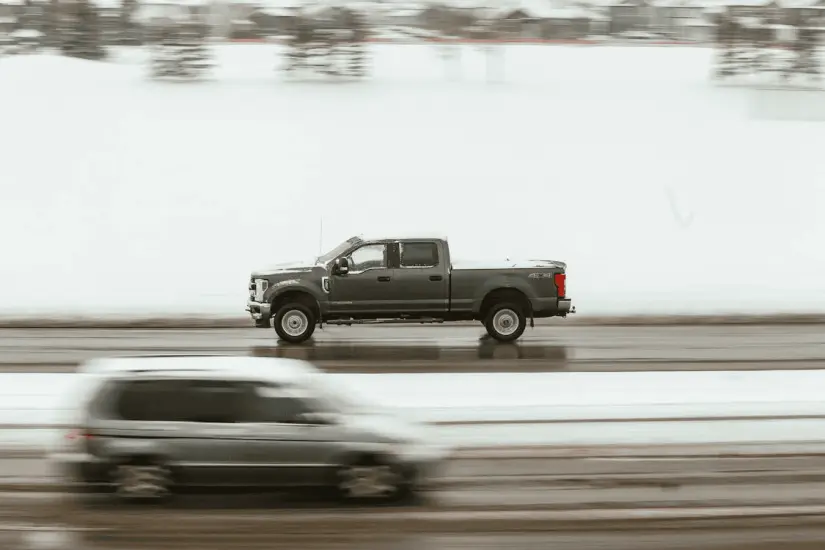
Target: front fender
{"points": [[503, 281], [290, 285]]}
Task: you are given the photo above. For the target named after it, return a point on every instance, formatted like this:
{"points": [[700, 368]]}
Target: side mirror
{"points": [[341, 266]]}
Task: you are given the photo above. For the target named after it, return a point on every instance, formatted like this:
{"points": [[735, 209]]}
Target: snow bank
{"points": [[590, 399], [122, 195]]}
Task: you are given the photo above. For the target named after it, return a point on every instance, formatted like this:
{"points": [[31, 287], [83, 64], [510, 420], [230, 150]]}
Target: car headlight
{"points": [[423, 450]]}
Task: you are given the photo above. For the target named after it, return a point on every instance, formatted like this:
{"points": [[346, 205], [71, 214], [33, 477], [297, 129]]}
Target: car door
{"points": [[212, 439], [288, 447], [367, 288], [420, 284]]}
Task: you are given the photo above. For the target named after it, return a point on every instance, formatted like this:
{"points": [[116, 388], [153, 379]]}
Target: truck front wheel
{"points": [[506, 322], [294, 322]]}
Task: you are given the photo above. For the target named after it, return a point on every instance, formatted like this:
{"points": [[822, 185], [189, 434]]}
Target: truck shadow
{"points": [[361, 357]]}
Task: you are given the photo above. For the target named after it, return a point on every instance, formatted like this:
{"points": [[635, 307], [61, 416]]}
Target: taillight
{"points": [[561, 283], [78, 435]]}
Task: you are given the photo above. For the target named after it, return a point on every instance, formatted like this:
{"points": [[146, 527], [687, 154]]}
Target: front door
{"points": [[368, 286], [285, 448]]}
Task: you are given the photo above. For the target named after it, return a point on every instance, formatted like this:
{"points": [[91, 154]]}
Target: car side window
{"points": [[147, 400], [418, 254], [370, 256], [212, 401], [274, 405]]}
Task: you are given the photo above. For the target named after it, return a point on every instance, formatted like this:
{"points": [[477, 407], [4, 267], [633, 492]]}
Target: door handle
{"points": [[383, 279], [436, 277]]}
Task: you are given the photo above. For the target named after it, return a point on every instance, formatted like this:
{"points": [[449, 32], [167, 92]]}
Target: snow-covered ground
{"points": [[662, 192], [577, 407], [35, 398]]}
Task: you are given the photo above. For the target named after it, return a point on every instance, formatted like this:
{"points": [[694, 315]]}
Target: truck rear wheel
{"points": [[506, 321], [294, 322]]}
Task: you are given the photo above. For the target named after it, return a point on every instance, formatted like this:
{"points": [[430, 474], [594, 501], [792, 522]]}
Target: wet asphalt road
{"points": [[581, 345], [719, 539], [207, 529], [259, 508]]}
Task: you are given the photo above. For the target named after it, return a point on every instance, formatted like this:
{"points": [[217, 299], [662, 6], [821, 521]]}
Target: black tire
{"points": [[142, 480], [302, 314], [499, 314], [399, 488]]}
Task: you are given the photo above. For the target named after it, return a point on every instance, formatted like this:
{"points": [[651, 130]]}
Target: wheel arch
{"points": [[504, 294], [298, 295]]}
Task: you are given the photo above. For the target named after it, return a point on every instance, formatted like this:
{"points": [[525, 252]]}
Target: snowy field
{"points": [[663, 193], [577, 407]]}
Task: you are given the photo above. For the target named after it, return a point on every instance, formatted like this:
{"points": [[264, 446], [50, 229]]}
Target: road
{"points": [[717, 539], [796, 346], [259, 509], [557, 483], [38, 521]]}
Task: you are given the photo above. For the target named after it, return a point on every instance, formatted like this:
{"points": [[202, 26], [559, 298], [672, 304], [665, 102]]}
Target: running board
{"points": [[410, 321]]}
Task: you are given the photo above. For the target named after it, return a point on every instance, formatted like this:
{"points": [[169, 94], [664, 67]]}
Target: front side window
{"points": [[273, 405], [371, 256]]}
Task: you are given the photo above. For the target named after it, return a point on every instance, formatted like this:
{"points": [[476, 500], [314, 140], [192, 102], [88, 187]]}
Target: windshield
{"points": [[339, 399], [338, 250]]}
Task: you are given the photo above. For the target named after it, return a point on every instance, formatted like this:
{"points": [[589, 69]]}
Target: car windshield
{"points": [[338, 250], [338, 398]]}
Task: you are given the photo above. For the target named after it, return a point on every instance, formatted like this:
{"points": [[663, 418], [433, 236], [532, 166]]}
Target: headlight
{"points": [[260, 287], [423, 450]]}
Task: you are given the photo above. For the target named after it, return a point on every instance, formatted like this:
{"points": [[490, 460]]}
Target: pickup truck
{"points": [[405, 280]]}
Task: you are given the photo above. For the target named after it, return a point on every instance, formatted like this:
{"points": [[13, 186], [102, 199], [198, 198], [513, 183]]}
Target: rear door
{"points": [[213, 439], [421, 284]]}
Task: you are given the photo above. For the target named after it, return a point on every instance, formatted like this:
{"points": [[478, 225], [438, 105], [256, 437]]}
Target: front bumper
{"points": [[258, 310], [426, 465]]}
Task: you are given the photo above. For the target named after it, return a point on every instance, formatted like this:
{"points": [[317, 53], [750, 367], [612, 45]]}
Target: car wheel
{"points": [[144, 481], [294, 323], [506, 322], [372, 480]]}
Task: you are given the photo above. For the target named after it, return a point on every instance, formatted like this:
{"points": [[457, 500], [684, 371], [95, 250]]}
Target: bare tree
{"points": [[80, 30]]}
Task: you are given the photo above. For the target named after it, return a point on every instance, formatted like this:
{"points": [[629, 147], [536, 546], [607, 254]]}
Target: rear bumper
{"points": [[566, 306], [258, 310], [82, 471], [553, 307]]}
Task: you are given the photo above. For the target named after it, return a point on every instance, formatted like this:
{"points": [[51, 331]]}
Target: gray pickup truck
{"points": [[406, 280]]}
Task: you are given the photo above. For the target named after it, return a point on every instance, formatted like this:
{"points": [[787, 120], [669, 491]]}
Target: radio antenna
{"points": [[321, 237]]}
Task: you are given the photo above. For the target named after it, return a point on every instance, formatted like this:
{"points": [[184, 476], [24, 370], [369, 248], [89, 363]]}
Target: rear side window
{"points": [[418, 254], [148, 400], [213, 401]]}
